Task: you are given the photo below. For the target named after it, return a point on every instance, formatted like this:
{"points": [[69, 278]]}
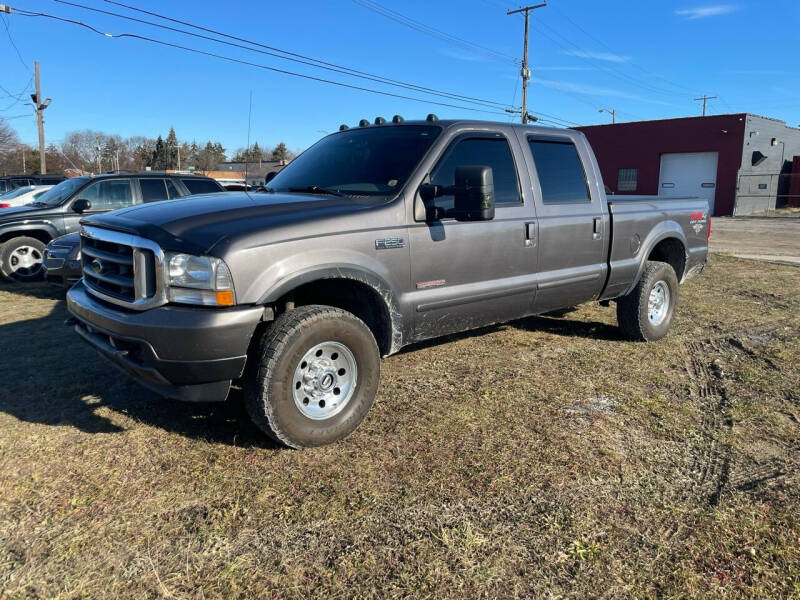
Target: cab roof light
{"points": [[431, 117], [379, 120], [343, 127], [363, 123], [397, 119]]}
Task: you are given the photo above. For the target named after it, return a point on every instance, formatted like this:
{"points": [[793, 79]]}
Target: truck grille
{"points": [[122, 268]]}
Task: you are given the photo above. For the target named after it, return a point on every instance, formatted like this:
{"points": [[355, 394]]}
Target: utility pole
{"points": [[612, 112], [705, 99], [525, 72], [40, 106]]}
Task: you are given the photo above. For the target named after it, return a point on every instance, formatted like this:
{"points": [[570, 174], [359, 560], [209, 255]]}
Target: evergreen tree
{"points": [[280, 152], [159, 158], [171, 150]]}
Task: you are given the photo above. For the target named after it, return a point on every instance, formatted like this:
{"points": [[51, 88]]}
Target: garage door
{"points": [[689, 174]]}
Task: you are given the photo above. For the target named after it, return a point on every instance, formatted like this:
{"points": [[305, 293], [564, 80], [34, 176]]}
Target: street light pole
{"points": [[612, 112], [525, 71]]}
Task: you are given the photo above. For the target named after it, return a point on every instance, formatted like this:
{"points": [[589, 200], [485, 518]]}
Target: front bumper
{"points": [[183, 353]]}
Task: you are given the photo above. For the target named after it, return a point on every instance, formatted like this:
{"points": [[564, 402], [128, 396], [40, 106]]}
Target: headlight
{"points": [[199, 280]]}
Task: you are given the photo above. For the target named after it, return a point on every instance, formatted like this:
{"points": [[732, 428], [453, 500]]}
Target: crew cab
{"points": [[374, 238], [25, 230]]}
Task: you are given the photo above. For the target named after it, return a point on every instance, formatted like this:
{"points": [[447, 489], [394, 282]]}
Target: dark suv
{"points": [[12, 182], [25, 230]]}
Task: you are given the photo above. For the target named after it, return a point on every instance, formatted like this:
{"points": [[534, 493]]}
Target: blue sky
{"points": [[644, 59]]}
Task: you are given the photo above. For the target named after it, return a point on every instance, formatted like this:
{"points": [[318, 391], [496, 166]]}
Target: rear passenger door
{"points": [[572, 221], [155, 189]]}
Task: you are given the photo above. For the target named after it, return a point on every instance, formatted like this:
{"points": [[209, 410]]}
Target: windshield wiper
{"points": [[314, 189], [37, 203]]}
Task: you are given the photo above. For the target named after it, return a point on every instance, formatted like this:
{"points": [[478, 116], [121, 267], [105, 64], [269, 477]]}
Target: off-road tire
{"points": [[268, 392], [632, 310], [7, 256]]}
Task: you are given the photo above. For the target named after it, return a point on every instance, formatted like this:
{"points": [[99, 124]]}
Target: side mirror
{"points": [[81, 205], [270, 176], [473, 195]]}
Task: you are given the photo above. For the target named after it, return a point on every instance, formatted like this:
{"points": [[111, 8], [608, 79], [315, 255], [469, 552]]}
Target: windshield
{"points": [[56, 195], [16, 192], [373, 161]]}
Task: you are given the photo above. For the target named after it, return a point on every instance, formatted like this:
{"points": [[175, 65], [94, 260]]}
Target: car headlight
{"points": [[199, 280]]}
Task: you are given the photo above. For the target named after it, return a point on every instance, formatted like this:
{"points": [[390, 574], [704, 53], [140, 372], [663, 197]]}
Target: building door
{"points": [[689, 174]]}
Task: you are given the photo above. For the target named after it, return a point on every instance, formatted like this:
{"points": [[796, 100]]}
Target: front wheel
{"points": [[646, 313], [21, 259], [313, 377]]}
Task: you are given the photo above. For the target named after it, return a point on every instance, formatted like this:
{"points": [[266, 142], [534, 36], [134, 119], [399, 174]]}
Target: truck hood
{"points": [[198, 224]]}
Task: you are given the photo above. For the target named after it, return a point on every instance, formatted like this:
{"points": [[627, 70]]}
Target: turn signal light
{"points": [[225, 298], [5, 205]]}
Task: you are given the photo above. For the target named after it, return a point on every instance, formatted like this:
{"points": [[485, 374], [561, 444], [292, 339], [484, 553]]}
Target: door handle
{"points": [[596, 228], [530, 235]]}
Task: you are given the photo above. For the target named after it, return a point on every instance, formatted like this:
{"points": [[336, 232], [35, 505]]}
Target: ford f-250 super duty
{"points": [[374, 238]]}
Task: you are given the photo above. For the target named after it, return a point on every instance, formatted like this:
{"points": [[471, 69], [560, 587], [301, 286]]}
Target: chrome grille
{"points": [[121, 268]]}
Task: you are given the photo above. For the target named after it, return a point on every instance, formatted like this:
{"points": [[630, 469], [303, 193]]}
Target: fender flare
{"points": [[21, 228], [345, 271], [663, 231]]}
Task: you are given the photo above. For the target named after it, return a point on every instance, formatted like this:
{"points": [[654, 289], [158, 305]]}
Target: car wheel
{"points": [[646, 313], [21, 259], [313, 377]]}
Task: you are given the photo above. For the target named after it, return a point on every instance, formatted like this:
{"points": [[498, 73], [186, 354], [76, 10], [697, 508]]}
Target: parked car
{"points": [[374, 238], [25, 230], [22, 195], [62, 260], [12, 182]]}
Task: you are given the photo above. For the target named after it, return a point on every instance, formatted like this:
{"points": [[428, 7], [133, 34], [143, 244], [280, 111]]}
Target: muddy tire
{"points": [[313, 376], [21, 259], [646, 313]]}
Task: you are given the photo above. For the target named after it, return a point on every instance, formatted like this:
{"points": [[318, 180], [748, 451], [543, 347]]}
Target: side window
{"points": [[172, 190], [627, 179], [201, 186], [109, 194], [560, 171], [153, 190], [491, 152]]}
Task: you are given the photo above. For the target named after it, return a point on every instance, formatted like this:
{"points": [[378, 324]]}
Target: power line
{"points": [[433, 32], [285, 55], [11, 39], [610, 49], [252, 64]]}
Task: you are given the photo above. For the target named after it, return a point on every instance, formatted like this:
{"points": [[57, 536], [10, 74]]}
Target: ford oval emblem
{"points": [[98, 266]]}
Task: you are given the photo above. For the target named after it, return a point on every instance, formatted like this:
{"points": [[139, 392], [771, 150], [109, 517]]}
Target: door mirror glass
{"points": [[472, 192], [81, 205]]}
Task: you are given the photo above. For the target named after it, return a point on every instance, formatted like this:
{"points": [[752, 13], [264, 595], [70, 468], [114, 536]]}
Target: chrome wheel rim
{"points": [[25, 261], [324, 380], [658, 303]]}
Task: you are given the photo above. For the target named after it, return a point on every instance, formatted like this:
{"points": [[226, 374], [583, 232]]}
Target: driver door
{"points": [[469, 274], [105, 195]]}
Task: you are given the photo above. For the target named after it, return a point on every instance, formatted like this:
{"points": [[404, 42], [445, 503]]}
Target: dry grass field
{"points": [[542, 458]]}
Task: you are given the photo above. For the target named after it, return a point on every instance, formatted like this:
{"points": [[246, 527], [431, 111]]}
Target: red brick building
{"points": [[740, 162]]}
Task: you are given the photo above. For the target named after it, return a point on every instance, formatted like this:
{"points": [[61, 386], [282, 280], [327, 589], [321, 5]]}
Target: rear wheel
{"points": [[21, 259], [313, 377], [646, 313]]}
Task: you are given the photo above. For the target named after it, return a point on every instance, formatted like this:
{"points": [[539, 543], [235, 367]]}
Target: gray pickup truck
{"points": [[376, 237]]}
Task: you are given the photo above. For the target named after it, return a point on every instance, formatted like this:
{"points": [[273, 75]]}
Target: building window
{"points": [[627, 179]]}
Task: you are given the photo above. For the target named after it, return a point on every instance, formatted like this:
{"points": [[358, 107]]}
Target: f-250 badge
{"points": [[698, 221]]}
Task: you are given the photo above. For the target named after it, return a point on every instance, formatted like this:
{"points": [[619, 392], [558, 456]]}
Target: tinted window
{"points": [[109, 194], [201, 186], [367, 161], [153, 190], [490, 152], [172, 190], [560, 171]]}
